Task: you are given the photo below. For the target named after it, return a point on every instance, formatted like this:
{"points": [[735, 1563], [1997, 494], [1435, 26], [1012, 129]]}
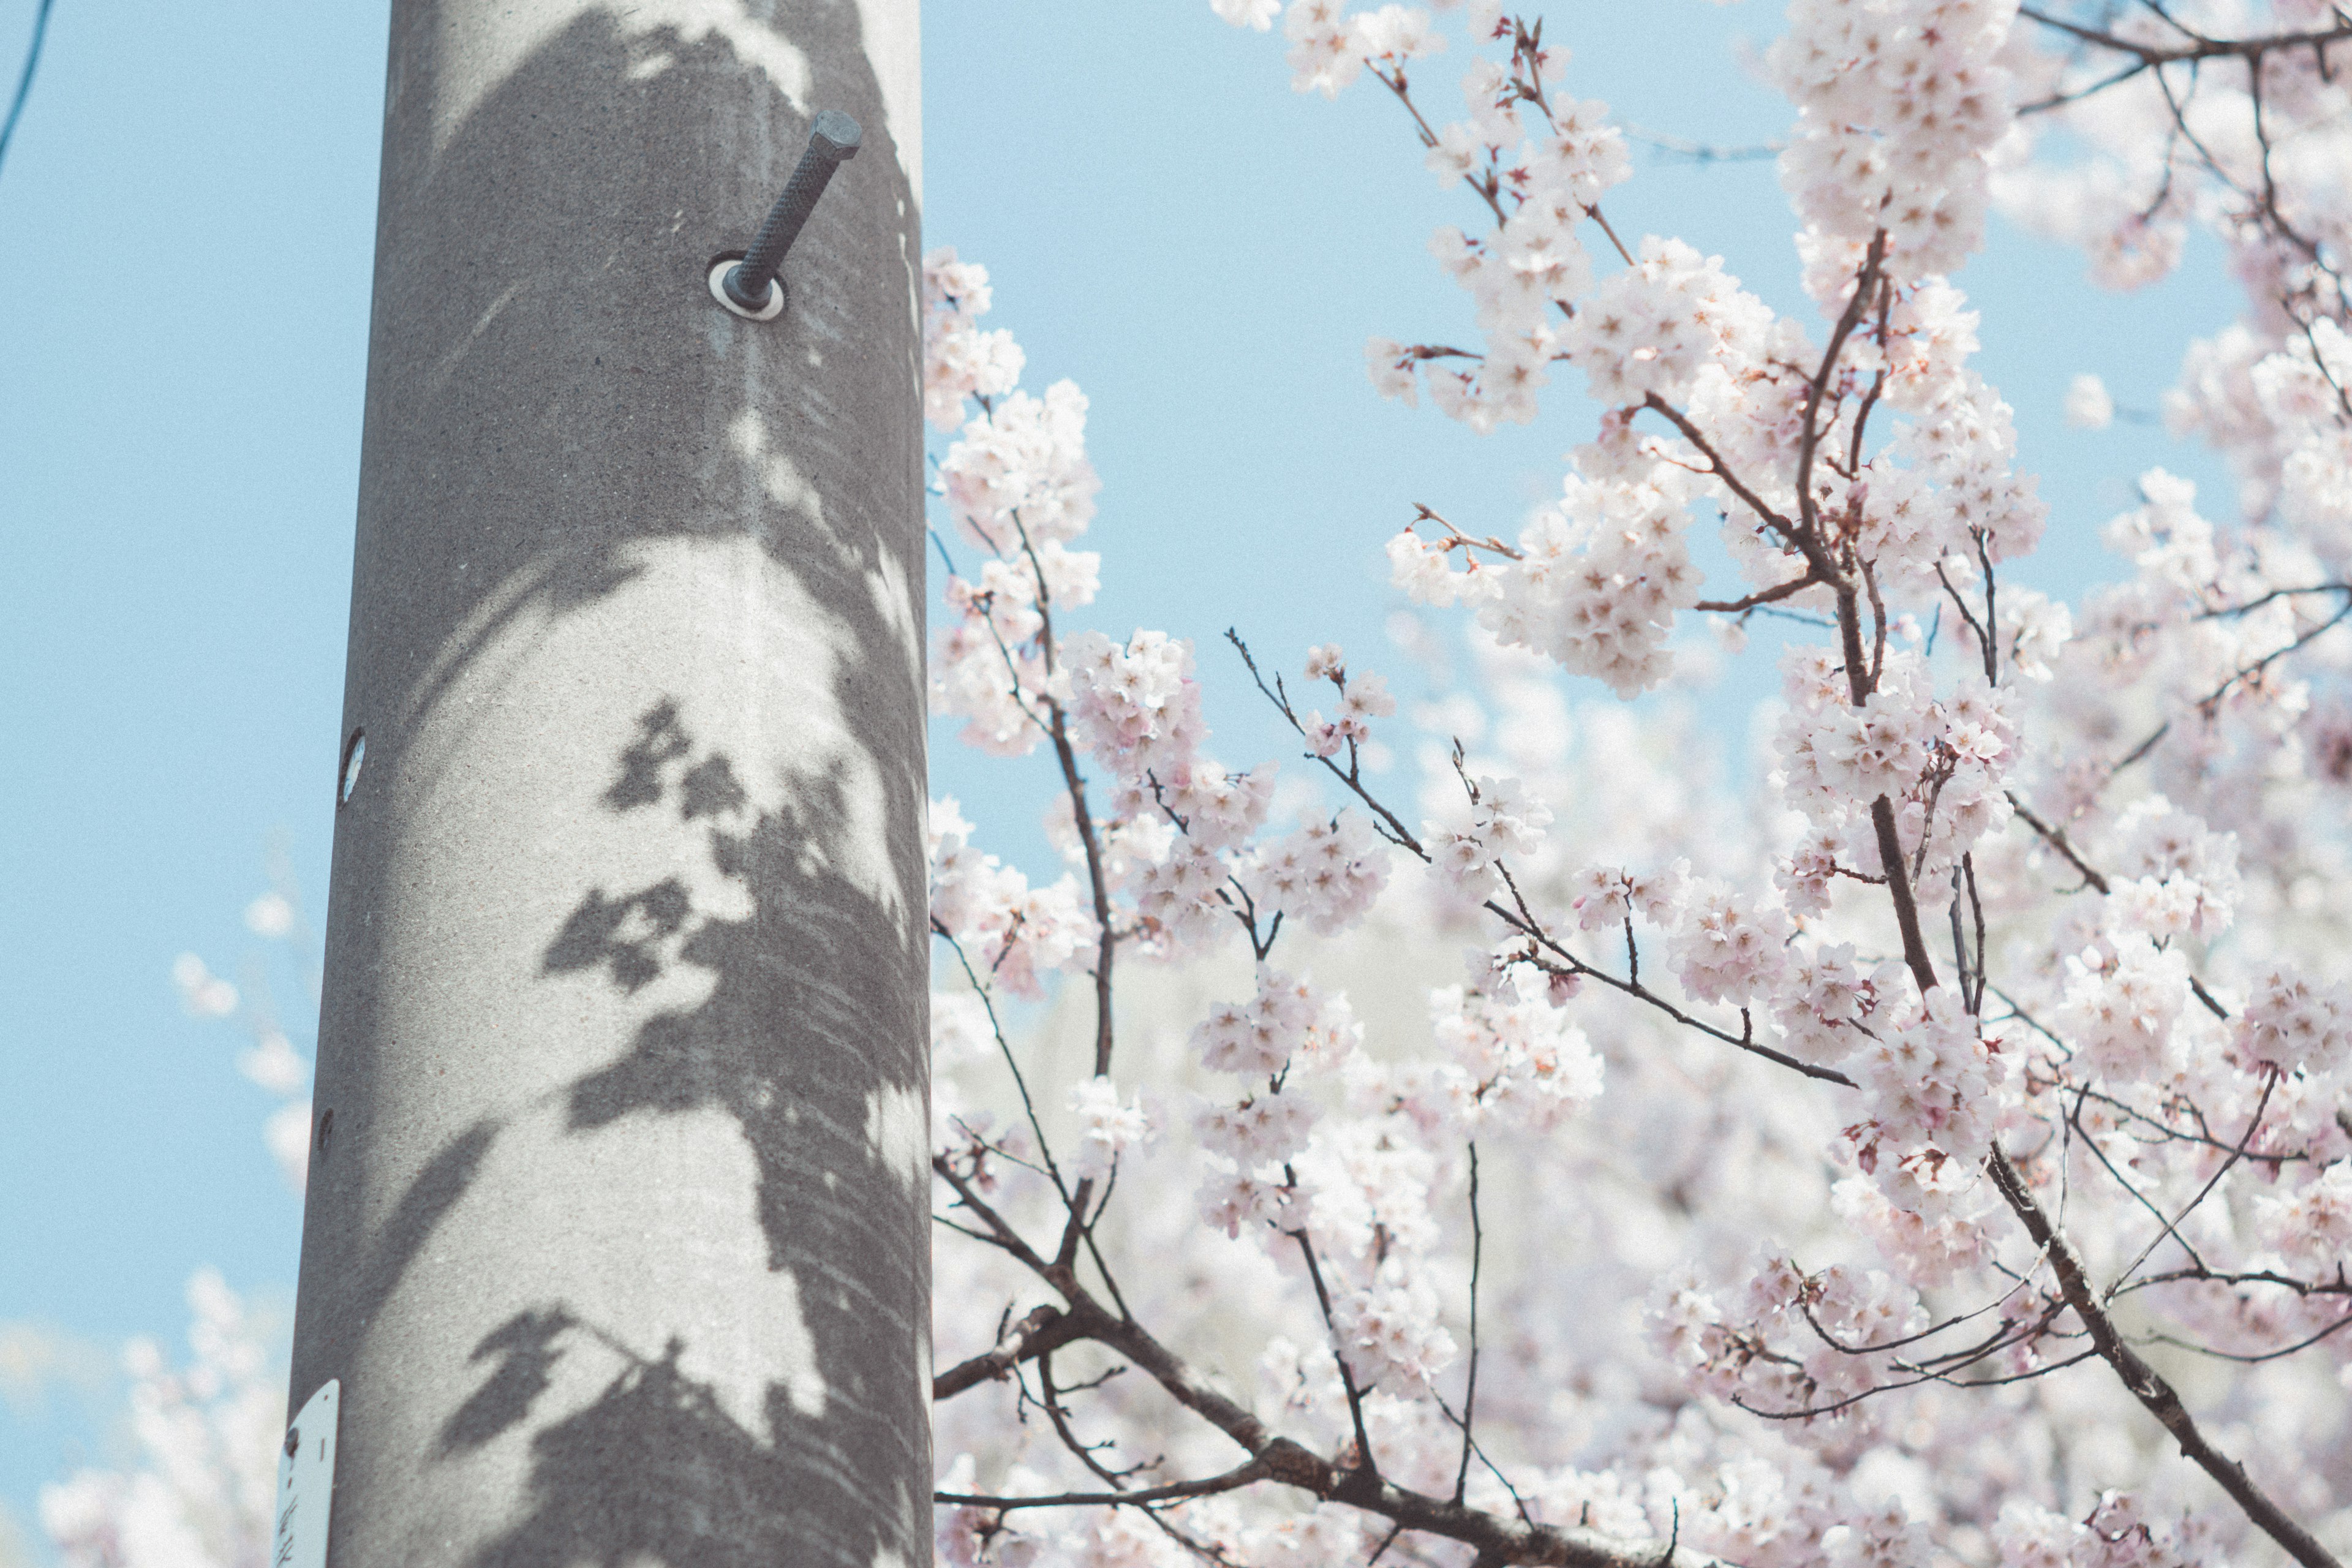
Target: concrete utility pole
{"points": [[616, 1240]]}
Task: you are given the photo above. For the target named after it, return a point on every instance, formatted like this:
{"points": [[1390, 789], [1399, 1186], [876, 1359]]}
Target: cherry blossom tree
{"points": [[205, 1433], [1928, 1148]]}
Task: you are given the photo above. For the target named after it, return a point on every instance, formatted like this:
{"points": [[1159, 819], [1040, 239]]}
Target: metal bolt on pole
{"points": [[751, 285], [615, 1248]]}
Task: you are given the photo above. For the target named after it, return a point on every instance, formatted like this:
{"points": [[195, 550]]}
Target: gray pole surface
{"points": [[616, 1234]]}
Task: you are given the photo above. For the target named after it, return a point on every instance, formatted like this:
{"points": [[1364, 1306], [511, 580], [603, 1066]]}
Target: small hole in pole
{"points": [[354, 753]]}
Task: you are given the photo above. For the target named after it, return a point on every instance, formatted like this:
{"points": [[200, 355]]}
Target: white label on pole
{"points": [[305, 1483]]}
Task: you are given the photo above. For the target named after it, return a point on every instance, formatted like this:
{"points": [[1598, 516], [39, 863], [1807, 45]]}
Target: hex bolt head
{"points": [[750, 287]]}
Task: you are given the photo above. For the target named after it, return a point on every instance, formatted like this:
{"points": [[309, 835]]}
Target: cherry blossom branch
{"points": [[1762, 596], [1789, 534], [1097, 886], [1488, 190], [1044, 1329], [2074, 1119], [1339, 1351], [1985, 639], [2319, 363], [2077, 95], [2220, 612], [2172, 1226], [1074, 784], [2146, 1384], [2255, 1358], [1524, 920], [1526, 48], [1865, 287], [2212, 700], [2056, 839], [1807, 538], [1478, 1450], [1470, 1391], [1058, 1413], [1281, 1460], [2198, 48], [2198, 1273], [1859, 683], [1877, 381], [1004, 1047], [1350, 777], [1810, 1412], [2165, 1131], [998, 1231], [2007, 1334], [1457, 540], [1147, 1497], [1975, 908]]}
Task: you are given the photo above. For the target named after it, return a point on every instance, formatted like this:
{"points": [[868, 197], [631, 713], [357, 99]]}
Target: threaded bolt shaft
{"points": [[832, 141]]}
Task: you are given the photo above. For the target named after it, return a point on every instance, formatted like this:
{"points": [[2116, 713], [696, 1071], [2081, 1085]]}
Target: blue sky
{"points": [[186, 225]]}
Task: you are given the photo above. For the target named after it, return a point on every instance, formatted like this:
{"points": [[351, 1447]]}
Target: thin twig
{"points": [[2154, 1393]]}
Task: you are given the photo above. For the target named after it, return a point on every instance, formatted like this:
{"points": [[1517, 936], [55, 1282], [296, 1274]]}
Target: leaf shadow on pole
{"points": [[525, 457]]}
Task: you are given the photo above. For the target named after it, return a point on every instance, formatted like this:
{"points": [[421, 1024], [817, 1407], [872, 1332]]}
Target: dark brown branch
{"points": [[1058, 1414], [1470, 1391], [2204, 1275], [1398, 833], [1144, 1496], [2056, 839], [2155, 1394], [1042, 1329], [1771, 596], [2255, 1358], [1339, 1351], [1283, 1461], [2198, 48], [1525, 923], [1074, 784], [2172, 1226], [1722, 470], [1004, 1047]]}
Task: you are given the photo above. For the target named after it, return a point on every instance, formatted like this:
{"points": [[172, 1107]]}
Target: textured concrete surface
{"points": [[617, 1231]]}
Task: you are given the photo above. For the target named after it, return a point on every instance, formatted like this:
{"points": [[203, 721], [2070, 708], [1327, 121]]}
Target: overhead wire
{"points": [[24, 79]]}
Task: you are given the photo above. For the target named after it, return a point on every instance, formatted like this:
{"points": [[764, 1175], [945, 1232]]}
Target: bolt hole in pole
{"points": [[348, 778], [747, 283]]}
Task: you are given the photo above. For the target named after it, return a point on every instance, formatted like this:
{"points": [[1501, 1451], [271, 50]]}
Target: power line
{"points": [[25, 81]]}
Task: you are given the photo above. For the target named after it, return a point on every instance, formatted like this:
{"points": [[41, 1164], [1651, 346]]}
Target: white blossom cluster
{"points": [[1018, 485], [1942, 764], [1003, 927], [206, 1435], [961, 359], [1898, 105], [1596, 582], [1841, 1325], [2032, 919], [1507, 823], [2300, 390], [1252, 1145], [1107, 1126], [1757, 1191], [1540, 160], [1507, 1051]]}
